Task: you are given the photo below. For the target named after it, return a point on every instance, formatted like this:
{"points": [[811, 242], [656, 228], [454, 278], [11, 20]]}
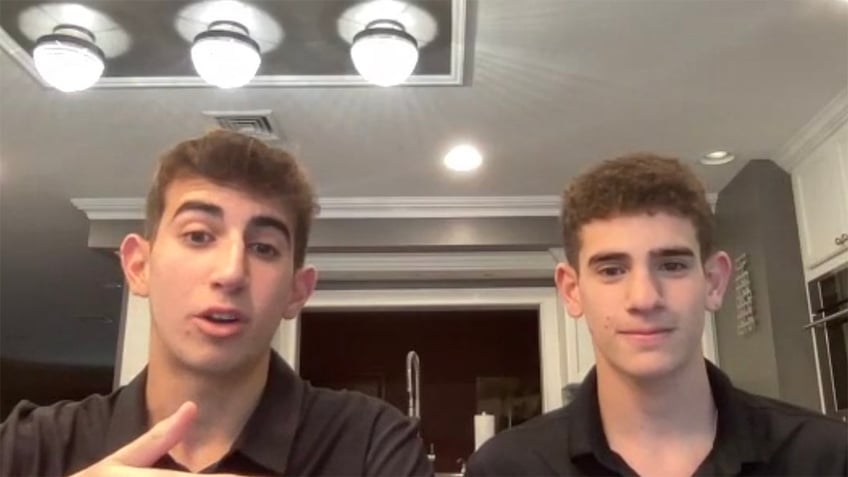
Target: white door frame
{"points": [[543, 299]]}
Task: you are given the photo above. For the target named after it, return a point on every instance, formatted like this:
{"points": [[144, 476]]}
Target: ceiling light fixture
{"points": [[463, 158], [68, 59], [717, 158], [384, 53], [224, 55]]}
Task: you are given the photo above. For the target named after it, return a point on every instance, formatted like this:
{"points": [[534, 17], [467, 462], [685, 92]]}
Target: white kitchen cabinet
{"points": [[820, 183]]}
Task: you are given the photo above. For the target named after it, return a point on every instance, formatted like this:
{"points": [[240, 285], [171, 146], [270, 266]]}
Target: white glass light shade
{"points": [[225, 59], [68, 63], [384, 56]]}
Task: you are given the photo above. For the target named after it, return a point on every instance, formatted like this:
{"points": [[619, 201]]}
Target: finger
{"points": [[160, 439]]}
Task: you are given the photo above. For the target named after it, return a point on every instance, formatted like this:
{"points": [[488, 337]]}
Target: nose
{"points": [[230, 268], [645, 291]]}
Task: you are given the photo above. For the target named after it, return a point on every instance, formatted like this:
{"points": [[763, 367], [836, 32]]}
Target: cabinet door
{"points": [[822, 193]]}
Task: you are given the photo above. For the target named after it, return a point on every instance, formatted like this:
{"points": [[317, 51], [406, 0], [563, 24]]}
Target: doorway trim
{"points": [[552, 331]]}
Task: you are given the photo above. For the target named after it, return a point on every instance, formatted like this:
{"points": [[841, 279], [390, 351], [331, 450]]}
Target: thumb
{"points": [[160, 439]]}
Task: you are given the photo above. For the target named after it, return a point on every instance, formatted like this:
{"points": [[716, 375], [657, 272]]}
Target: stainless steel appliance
{"points": [[829, 324]]}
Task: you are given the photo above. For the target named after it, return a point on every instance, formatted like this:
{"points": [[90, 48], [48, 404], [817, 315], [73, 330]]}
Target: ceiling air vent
{"points": [[259, 124]]}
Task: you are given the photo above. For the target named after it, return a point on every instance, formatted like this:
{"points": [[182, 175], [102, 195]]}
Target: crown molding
{"points": [[438, 207], [366, 207], [423, 266], [111, 208], [132, 208], [815, 132]]}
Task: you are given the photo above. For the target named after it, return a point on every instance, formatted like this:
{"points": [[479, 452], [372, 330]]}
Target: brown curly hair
{"points": [[237, 160], [635, 184]]}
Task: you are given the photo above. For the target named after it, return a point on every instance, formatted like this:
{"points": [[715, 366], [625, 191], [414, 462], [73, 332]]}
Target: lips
{"points": [[647, 337], [646, 332], [221, 322], [224, 315]]}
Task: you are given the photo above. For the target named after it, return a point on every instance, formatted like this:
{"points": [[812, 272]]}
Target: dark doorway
{"points": [[471, 361]]}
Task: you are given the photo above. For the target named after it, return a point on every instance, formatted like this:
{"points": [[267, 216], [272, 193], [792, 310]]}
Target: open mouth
{"points": [[221, 318], [220, 324]]}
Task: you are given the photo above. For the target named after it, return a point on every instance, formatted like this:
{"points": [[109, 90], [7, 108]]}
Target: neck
{"points": [[224, 404], [672, 407]]}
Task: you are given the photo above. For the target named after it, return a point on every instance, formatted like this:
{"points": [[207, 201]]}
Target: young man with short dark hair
{"points": [[222, 263], [642, 270]]}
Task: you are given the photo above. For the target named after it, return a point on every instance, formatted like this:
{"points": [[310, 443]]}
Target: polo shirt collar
{"points": [[268, 436], [737, 441]]}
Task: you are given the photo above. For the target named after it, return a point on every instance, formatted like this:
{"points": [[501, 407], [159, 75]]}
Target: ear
{"points": [[135, 259], [567, 282], [302, 287], [717, 270]]}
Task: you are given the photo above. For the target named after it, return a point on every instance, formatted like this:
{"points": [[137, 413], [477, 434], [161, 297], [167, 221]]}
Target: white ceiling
{"points": [[553, 85]]}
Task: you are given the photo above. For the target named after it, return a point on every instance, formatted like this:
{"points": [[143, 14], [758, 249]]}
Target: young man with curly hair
{"points": [[642, 271]]}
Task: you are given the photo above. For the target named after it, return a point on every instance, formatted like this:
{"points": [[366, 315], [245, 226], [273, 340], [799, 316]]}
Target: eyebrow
{"points": [[199, 206], [607, 257], [669, 252], [258, 221], [674, 252]]}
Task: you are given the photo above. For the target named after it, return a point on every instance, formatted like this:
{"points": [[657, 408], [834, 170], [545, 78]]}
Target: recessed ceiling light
{"points": [[463, 158], [717, 158]]}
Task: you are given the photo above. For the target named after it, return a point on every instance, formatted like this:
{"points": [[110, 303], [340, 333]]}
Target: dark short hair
{"points": [[244, 162], [635, 184]]}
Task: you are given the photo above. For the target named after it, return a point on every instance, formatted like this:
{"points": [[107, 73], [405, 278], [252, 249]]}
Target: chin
{"points": [[216, 362], [212, 367], [650, 366]]}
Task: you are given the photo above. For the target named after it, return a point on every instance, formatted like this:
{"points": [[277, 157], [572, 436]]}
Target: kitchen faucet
{"points": [[413, 389], [413, 385]]}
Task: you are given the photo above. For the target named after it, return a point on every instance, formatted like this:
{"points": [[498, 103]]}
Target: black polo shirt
{"points": [[756, 436], [296, 429]]}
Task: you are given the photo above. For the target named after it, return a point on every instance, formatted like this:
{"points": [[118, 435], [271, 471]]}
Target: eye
{"points": [[674, 266], [611, 271], [264, 250], [198, 237]]}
